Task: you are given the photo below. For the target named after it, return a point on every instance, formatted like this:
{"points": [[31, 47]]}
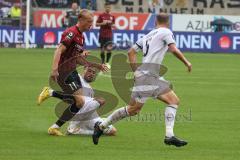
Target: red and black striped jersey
{"points": [[73, 39], [106, 30]]}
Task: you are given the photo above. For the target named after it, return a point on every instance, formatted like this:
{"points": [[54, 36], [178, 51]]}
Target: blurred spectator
{"points": [[71, 16], [158, 4], [53, 3], [15, 13], [5, 12], [89, 4], [155, 5], [150, 6]]}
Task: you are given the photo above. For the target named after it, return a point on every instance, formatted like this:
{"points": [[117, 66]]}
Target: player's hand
{"points": [[104, 23], [103, 68], [109, 22], [85, 53], [189, 66], [54, 75]]}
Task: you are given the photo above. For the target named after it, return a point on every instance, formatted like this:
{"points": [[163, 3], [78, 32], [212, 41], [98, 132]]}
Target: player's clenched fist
{"points": [[189, 66], [103, 67]]}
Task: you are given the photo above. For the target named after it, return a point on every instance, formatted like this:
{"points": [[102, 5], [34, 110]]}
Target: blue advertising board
{"points": [[186, 41]]}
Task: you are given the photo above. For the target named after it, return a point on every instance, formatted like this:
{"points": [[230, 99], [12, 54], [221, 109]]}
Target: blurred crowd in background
{"points": [[194, 22], [13, 12]]}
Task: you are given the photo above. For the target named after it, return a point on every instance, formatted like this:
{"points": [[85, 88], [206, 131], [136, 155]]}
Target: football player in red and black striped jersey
{"points": [[69, 54], [106, 22]]}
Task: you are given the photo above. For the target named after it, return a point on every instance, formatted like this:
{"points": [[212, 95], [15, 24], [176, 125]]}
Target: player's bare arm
{"points": [[101, 67], [172, 48], [132, 59], [101, 24], [113, 25], [57, 54], [110, 22], [81, 59]]}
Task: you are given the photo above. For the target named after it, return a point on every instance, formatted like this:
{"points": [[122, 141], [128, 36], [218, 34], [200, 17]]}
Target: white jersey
{"points": [[87, 116], [88, 110], [154, 46], [87, 89]]}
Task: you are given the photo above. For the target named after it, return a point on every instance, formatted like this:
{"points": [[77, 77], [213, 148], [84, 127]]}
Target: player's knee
{"points": [[100, 100], [133, 110], [174, 101], [109, 49], [79, 101]]}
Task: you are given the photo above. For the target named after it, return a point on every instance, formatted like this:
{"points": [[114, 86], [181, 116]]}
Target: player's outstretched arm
{"points": [[57, 54], [172, 48], [101, 24], [132, 59], [81, 59]]}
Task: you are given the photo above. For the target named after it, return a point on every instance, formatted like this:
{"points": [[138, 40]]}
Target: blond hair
{"points": [[84, 13]]}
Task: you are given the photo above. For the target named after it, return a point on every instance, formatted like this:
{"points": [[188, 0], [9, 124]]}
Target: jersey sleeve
{"points": [[67, 38], [113, 21], [138, 45], [99, 20], [169, 38]]}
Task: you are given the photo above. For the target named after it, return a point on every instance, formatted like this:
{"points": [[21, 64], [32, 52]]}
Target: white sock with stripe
{"points": [[170, 113], [117, 115]]}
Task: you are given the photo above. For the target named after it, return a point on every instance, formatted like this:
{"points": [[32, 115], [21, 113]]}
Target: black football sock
{"points": [[102, 57], [63, 96], [109, 54], [68, 114]]}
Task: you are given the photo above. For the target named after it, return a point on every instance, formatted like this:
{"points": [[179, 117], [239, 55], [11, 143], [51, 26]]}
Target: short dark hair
{"points": [[162, 18], [107, 3]]}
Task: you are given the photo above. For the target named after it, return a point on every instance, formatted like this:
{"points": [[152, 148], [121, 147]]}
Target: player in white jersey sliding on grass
{"points": [[147, 83], [83, 122]]}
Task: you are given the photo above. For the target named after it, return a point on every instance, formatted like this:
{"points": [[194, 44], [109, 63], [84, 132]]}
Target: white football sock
{"points": [[54, 126], [170, 113], [117, 115], [50, 92]]}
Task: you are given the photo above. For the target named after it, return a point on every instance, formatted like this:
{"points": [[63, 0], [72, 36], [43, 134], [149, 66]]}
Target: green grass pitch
{"points": [[209, 114]]}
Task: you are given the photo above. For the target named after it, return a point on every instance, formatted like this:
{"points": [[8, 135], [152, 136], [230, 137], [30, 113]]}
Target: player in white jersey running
{"points": [[83, 122], [147, 83]]}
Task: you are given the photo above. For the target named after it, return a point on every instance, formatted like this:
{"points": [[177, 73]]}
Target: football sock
{"points": [[54, 126], [108, 56], [68, 114], [117, 115], [62, 96], [102, 57], [50, 92], [170, 113]]}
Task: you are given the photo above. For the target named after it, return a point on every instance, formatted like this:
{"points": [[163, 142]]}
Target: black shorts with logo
{"points": [[70, 83]]}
